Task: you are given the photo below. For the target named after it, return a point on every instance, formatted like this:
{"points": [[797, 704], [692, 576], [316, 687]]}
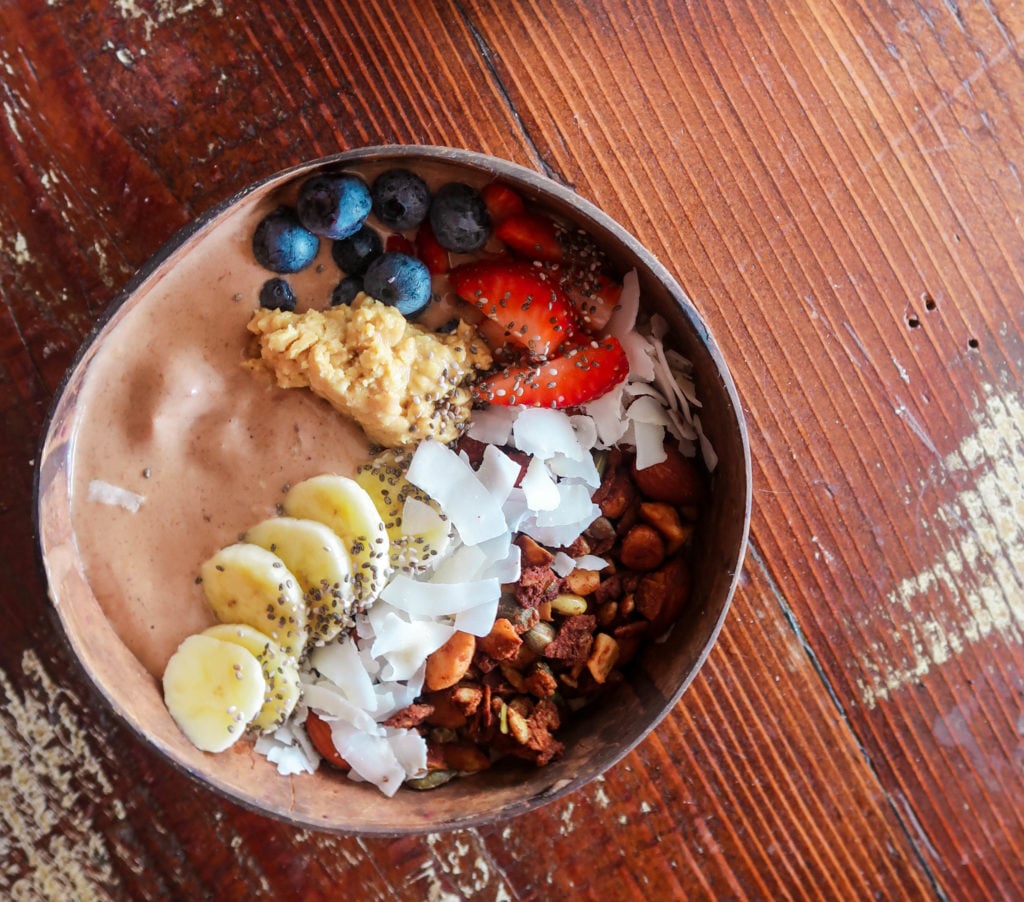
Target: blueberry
{"points": [[346, 290], [400, 281], [277, 294], [401, 199], [333, 205], [281, 244], [459, 217], [355, 253]]}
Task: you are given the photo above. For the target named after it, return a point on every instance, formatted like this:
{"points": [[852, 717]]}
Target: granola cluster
{"points": [[559, 641]]}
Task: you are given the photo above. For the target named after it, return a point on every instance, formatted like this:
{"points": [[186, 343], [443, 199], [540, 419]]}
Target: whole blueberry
{"points": [[355, 253], [459, 217], [333, 205], [400, 281], [401, 199], [346, 290], [277, 294], [281, 243]]}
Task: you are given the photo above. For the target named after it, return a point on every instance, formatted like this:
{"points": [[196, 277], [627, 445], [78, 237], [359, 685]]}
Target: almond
{"points": [[676, 480]]}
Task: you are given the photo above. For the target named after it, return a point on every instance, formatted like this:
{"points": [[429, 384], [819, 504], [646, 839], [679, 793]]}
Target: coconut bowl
{"points": [[208, 265]]}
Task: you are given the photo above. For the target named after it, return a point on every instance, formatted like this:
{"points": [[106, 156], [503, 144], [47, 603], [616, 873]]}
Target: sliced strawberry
{"points": [[532, 235], [497, 338], [399, 243], [579, 374], [594, 294], [522, 299], [320, 735], [501, 201], [429, 250]]}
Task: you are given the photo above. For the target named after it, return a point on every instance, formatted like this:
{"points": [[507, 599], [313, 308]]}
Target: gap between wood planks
{"points": [[487, 58]]}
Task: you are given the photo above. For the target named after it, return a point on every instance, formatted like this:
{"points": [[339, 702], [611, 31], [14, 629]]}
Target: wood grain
{"points": [[837, 186]]}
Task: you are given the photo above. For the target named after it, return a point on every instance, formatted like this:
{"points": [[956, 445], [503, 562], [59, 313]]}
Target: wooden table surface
{"points": [[838, 186]]}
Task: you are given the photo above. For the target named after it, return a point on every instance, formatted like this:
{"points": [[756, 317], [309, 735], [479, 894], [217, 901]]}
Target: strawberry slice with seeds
{"points": [[534, 236], [579, 374], [501, 201], [532, 308], [594, 294]]}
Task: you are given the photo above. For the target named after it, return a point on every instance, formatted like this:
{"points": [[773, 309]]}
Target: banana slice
{"points": [[280, 674], [213, 689], [417, 542], [248, 584], [317, 558], [343, 505]]}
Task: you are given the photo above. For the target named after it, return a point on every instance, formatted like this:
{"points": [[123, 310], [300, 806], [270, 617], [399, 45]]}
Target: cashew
{"points": [[448, 665]]}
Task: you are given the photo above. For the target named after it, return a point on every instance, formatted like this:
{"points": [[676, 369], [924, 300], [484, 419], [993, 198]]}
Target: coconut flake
{"points": [[493, 425], [430, 599], [451, 482], [590, 562], [478, 620], [114, 495], [340, 663], [498, 473], [563, 525], [562, 564], [706, 449], [646, 409], [290, 757], [623, 318], [584, 470], [370, 756], [405, 645], [649, 439], [543, 433], [606, 412], [541, 490]]}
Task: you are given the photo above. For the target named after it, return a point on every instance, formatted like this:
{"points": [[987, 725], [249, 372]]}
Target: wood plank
{"points": [[821, 177]]}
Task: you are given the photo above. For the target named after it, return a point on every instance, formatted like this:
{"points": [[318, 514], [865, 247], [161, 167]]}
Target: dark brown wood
{"points": [[837, 186]]}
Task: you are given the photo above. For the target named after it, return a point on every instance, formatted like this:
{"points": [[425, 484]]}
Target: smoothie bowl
{"points": [[403, 491]]}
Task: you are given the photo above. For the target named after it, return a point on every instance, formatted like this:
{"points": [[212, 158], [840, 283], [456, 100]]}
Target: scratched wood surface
{"points": [[836, 183]]}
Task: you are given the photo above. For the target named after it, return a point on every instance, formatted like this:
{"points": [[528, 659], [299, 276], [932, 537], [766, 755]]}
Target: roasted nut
{"points": [[514, 678], [603, 655], [629, 636], [534, 555], [446, 712], [616, 494], [665, 518], [627, 604], [448, 665], [502, 642], [675, 480], [642, 548], [569, 604], [541, 681], [540, 637], [600, 535], [607, 613], [517, 726], [582, 582], [662, 595], [465, 757], [431, 780]]}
